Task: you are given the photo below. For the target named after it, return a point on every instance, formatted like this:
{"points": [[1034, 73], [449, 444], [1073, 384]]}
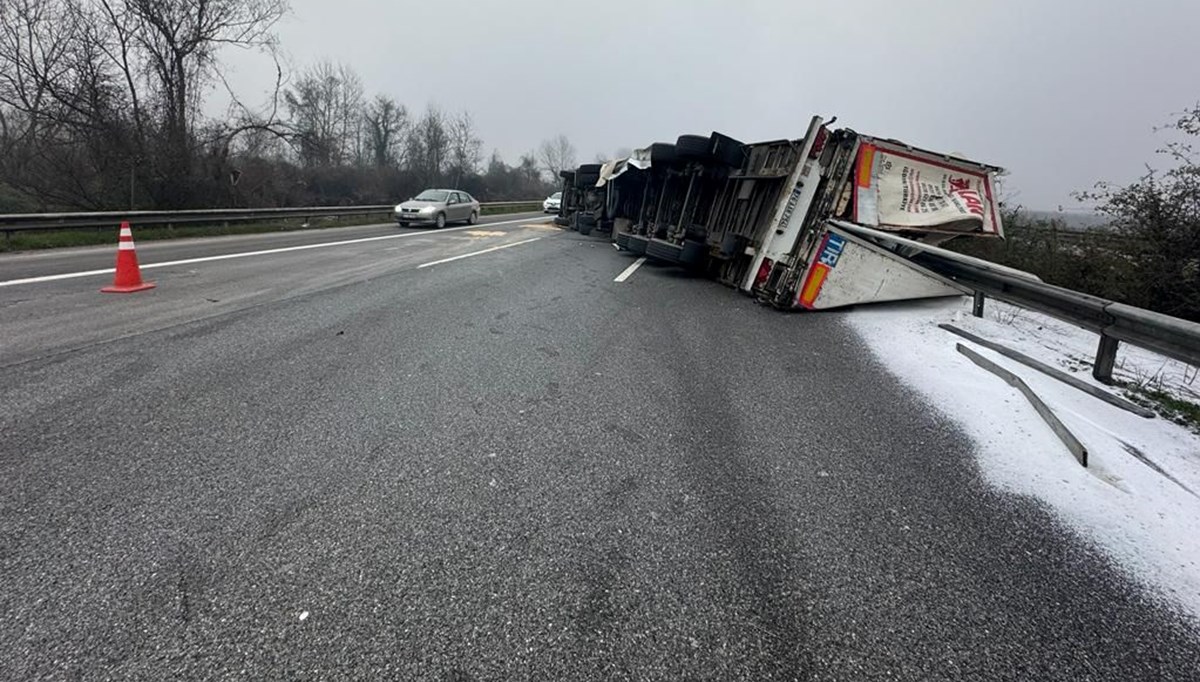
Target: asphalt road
{"points": [[335, 463], [53, 261]]}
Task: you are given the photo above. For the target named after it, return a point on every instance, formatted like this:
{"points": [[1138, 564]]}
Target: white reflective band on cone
{"points": [[125, 246]]}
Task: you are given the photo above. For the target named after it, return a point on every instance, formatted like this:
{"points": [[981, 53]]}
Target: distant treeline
{"points": [[101, 108]]}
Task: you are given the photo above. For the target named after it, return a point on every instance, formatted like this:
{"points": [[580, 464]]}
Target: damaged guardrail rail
{"points": [[1114, 322]]}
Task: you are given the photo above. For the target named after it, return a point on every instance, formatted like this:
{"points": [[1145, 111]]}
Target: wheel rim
{"points": [[441, 220]]}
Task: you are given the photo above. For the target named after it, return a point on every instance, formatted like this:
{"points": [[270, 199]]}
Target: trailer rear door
{"points": [[902, 188]]}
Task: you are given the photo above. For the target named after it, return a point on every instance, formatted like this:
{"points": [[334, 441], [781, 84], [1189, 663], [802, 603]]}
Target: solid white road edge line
{"points": [[476, 253], [264, 252], [628, 272]]}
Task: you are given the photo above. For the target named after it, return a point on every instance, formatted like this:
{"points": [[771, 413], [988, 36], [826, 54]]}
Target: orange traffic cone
{"points": [[129, 276]]}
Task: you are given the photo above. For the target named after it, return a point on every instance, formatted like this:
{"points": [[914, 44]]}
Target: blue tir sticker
{"points": [[834, 244]]}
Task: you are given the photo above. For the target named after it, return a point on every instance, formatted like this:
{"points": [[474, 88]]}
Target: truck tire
{"points": [[662, 153], [587, 175], [586, 223], [693, 253], [728, 151], [694, 147]]}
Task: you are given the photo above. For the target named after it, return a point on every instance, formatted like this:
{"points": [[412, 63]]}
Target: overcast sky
{"points": [[1060, 92]]}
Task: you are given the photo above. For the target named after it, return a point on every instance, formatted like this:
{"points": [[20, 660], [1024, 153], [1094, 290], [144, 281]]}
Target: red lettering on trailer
{"points": [[961, 187], [973, 202]]}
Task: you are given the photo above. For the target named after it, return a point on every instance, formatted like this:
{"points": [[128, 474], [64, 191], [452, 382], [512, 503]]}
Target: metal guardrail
{"points": [[24, 222], [1115, 322]]}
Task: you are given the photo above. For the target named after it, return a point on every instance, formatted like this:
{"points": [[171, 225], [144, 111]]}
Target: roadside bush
{"points": [[1149, 253], [1095, 262]]}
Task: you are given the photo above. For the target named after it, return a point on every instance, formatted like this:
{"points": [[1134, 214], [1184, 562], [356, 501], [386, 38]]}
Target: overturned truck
{"points": [[825, 221]]}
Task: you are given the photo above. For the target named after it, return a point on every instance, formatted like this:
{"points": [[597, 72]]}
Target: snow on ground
{"points": [[1147, 522]]}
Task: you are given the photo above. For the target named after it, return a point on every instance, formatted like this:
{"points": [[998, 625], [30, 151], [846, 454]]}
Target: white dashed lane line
{"points": [[628, 272], [476, 253]]}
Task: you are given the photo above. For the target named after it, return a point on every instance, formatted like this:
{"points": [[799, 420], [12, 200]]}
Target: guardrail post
{"points": [[1106, 357], [977, 307]]}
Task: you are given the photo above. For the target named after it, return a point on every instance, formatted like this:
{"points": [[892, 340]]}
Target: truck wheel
{"points": [[693, 253], [662, 153], [587, 175], [586, 223], [728, 150], [694, 147]]}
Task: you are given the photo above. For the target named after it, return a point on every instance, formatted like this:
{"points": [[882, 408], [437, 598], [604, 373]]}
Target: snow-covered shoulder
{"points": [[1138, 498]]}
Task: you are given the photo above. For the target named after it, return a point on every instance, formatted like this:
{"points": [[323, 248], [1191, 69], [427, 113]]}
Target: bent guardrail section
{"points": [[1115, 322]]}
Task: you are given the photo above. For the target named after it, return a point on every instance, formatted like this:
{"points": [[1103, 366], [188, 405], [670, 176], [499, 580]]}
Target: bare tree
{"points": [[324, 106], [1159, 217], [428, 146], [556, 154], [465, 147], [386, 123], [98, 85], [530, 180], [101, 107], [175, 42]]}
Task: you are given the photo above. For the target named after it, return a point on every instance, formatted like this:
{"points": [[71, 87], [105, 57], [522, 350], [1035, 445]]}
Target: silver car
{"points": [[438, 207]]}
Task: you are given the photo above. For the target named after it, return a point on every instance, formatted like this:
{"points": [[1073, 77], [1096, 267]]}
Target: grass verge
{"points": [[1182, 412]]}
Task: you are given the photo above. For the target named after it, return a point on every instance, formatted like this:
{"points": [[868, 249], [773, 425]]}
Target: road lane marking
{"points": [[247, 254], [628, 272], [476, 253]]}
